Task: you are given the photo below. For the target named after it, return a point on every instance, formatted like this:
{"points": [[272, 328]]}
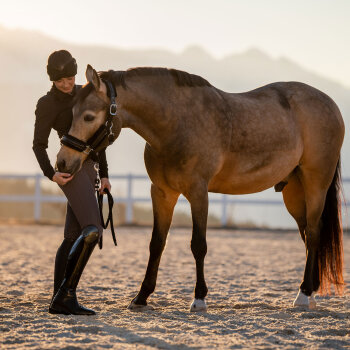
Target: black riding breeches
{"points": [[82, 207]]}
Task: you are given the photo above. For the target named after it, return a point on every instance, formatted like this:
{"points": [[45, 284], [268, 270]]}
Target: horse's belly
{"points": [[246, 176]]}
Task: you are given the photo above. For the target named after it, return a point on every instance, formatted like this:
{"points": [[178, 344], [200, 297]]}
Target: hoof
{"points": [[198, 305], [312, 301], [301, 300], [137, 307], [305, 301]]}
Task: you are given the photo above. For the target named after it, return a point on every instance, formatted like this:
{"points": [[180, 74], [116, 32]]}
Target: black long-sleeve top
{"points": [[54, 111]]}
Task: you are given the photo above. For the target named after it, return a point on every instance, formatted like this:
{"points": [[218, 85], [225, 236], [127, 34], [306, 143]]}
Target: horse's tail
{"points": [[330, 254]]}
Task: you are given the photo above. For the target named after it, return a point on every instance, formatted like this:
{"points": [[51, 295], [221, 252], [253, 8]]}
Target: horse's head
{"points": [[91, 111]]}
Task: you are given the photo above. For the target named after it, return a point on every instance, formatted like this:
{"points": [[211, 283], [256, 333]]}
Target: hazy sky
{"points": [[314, 33]]}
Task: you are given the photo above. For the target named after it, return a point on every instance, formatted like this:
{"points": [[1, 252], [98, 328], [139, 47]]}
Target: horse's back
{"points": [[274, 128], [281, 112]]}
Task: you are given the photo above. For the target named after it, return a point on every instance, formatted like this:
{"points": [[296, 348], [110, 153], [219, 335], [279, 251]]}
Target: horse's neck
{"points": [[142, 125], [141, 111]]}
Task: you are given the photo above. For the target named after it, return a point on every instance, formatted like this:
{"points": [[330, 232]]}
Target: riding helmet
{"points": [[61, 64]]}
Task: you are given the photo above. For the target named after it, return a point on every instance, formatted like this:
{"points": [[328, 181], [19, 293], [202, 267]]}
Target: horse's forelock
{"points": [[83, 93]]}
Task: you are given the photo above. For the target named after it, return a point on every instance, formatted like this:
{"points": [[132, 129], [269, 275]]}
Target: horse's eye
{"points": [[89, 118]]}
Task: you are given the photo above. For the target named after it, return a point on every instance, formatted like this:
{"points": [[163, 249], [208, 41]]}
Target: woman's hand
{"points": [[105, 184], [61, 178]]}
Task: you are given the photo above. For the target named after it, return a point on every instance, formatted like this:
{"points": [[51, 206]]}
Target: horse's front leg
{"points": [[198, 197], [163, 201]]}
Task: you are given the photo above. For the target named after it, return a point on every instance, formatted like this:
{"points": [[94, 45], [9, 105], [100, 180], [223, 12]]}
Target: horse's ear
{"points": [[92, 77]]}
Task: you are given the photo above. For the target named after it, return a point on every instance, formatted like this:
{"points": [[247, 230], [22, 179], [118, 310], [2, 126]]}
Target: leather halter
{"points": [[102, 132]]}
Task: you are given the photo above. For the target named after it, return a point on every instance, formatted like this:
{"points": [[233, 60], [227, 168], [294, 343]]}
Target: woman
{"points": [[83, 226]]}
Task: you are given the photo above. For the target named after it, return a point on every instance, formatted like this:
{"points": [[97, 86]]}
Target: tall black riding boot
{"points": [[65, 300], [60, 266]]}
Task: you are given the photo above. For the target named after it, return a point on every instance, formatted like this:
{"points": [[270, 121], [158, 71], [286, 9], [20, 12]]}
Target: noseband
{"points": [[105, 130]]}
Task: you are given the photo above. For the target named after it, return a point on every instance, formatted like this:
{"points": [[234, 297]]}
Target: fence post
{"points": [[224, 211], [129, 201], [37, 195]]}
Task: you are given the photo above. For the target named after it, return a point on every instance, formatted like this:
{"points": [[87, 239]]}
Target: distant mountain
{"points": [[23, 79]]}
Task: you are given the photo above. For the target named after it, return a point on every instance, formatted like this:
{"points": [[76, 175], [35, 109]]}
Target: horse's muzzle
{"points": [[63, 166]]}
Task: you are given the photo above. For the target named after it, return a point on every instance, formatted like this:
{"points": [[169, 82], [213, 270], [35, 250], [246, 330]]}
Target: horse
{"points": [[200, 139]]}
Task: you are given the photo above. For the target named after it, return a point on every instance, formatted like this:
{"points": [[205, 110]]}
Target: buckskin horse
{"points": [[200, 139]]}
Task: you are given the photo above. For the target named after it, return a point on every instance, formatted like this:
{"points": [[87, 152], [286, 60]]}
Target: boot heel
{"points": [[55, 312]]}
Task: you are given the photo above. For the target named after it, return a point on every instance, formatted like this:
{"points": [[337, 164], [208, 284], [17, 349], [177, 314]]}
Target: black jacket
{"points": [[54, 111]]}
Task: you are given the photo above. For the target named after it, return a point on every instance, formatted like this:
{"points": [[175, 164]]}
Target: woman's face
{"points": [[65, 85]]}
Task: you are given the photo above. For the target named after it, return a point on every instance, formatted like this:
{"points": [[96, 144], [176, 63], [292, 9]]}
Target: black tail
{"points": [[330, 254]]}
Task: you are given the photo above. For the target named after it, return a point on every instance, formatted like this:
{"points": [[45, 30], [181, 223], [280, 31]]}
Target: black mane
{"points": [[181, 78], [118, 78]]}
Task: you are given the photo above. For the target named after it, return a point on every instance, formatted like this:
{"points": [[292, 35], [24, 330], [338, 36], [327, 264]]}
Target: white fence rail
{"points": [[129, 200]]}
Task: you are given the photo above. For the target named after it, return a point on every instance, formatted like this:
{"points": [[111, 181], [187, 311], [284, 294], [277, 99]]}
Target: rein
{"points": [[105, 130], [100, 206]]}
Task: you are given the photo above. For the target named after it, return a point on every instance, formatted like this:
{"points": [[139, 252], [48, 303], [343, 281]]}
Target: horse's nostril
{"points": [[61, 165]]}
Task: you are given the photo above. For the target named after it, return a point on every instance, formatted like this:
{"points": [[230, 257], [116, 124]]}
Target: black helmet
{"points": [[61, 64]]}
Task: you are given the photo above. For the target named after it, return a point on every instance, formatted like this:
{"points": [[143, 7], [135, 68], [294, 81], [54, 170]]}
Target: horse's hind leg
{"points": [[198, 197], [315, 184], [163, 202], [294, 199]]}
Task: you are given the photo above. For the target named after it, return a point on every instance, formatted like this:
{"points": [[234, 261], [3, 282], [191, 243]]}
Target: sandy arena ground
{"points": [[252, 277]]}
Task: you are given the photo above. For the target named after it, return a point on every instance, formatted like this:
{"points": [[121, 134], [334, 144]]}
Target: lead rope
{"points": [[100, 205]]}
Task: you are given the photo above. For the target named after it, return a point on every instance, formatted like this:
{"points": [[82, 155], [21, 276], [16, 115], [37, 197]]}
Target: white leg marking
{"points": [[198, 305], [135, 307], [301, 299], [312, 301]]}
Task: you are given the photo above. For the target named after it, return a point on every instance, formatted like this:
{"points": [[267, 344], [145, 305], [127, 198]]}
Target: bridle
{"points": [[89, 148], [104, 131]]}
